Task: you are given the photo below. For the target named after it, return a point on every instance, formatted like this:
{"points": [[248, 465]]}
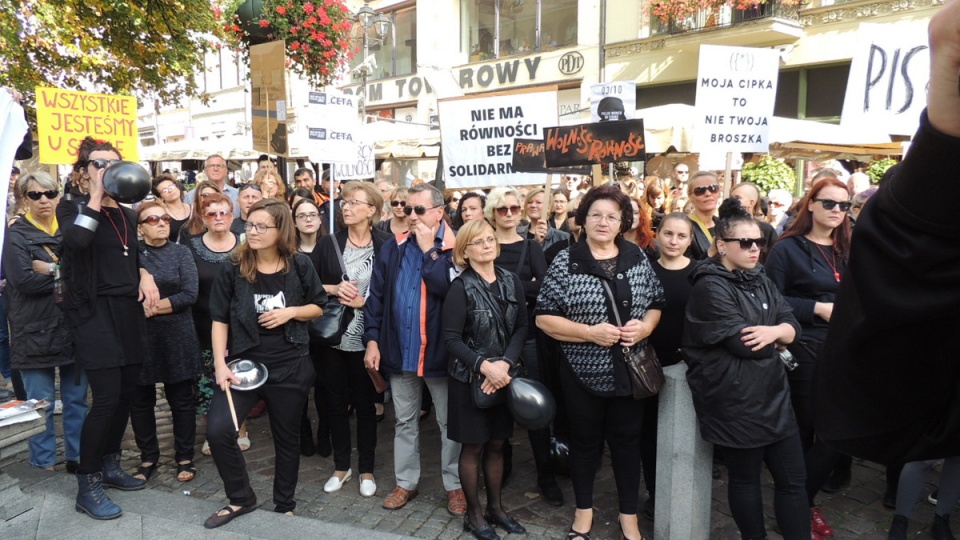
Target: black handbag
{"points": [[485, 401], [643, 366], [329, 328]]}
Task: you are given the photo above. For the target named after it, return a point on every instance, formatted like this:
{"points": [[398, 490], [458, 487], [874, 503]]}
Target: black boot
{"points": [[91, 499], [114, 477], [898, 528], [941, 528]]}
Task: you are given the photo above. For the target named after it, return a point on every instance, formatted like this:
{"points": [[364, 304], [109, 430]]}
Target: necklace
{"points": [[832, 264], [123, 239], [354, 244]]}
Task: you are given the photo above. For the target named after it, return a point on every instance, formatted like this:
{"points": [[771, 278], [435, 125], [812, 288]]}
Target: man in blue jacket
{"points": [[403, 336]]}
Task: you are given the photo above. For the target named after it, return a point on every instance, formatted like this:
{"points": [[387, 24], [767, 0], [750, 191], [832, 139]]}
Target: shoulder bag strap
{"points": [[613, 301], [343, 266], [523, 256]]}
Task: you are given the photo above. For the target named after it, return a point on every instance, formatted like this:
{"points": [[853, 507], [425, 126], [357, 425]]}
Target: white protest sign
{"points": [[477, 136], [886, 91], [362, 167], [612, 101], [736, 92], [330, 123]]}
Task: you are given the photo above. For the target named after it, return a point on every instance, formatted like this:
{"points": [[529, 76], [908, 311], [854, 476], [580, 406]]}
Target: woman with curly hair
{"points": [[270, 182]]}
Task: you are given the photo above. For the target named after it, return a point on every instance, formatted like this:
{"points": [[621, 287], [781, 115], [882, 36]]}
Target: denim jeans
{"points": [[40, 385]]}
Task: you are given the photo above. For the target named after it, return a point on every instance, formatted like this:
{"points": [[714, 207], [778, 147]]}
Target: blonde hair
{"points": [[470, 232], [373, 196], [261, 177], [497, 198]]}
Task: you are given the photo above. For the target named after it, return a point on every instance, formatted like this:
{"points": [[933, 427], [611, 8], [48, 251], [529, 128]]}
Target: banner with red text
{"points": [[602, 142], [65, 117]]}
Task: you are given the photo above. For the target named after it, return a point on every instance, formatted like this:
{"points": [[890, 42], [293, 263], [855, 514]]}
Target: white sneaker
{"points": [[368, 488], [334, 483]]}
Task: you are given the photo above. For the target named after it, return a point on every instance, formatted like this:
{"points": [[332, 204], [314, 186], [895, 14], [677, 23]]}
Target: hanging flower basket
{"points": [[316, 33], [678, 10]]}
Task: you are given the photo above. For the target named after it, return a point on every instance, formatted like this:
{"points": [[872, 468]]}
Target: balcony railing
{"points": [[721, 17]]}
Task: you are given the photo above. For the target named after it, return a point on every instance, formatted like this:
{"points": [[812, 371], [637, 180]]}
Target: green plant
{"points": [[770, 173], [877, 168]]}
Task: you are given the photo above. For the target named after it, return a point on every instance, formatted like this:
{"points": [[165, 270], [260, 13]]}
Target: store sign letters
{"points": [[65, 117]]}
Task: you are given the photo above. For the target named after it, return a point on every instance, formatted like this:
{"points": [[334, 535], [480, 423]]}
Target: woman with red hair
{"points": [[807, 264], [641, 231]]}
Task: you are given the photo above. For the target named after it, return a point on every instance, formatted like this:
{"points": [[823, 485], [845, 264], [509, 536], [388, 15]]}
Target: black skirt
{"points": [[115, 336], [466, 424]]}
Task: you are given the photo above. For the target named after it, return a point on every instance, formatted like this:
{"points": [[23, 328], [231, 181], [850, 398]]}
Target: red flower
{"points": [[294, 29], [295, 45], [264, 23], [308, 8], [335, 27], [281, 10], [305, 48]]}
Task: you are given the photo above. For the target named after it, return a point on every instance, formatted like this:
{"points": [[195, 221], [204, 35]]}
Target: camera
{"points": [[788, 361]]}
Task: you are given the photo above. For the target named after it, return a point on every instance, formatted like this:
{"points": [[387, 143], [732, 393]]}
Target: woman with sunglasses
{"points": [[261, 303], [735, 323], [197, 224], [167, 189], [104, 283], [397, 224], [342, 371], [749, 196], [40, 338], [470, 208], [210, 252], [705, 194], [174, 358], [306, 215], [807, 264]]}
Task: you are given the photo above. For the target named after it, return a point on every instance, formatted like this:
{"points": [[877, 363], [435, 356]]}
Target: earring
{"points": [[722, 253]]}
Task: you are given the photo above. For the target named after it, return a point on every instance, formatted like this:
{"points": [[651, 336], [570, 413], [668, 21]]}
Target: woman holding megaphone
{"points": [[104, 284]]}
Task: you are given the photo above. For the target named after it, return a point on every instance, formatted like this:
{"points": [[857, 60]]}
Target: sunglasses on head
{"points": [[515, 209], [50, 194], [830, 204], [153, 220], [700, 190], [398, 203], [747, 243], [250, 186], [420, 210], [101, 163]]}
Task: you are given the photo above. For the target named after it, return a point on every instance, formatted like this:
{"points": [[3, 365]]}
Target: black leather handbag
{"points": [[329, 328], [485, 401], [643, 366]]}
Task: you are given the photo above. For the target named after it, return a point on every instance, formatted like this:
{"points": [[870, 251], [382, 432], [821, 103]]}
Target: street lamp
{"points": [[368, 18]]}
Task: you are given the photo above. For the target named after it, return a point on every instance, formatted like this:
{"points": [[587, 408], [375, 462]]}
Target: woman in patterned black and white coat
{"points": [[574, 308], [341, 367]]}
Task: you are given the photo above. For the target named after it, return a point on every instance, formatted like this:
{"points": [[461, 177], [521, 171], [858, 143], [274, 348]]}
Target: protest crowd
{"points": [[511, 308]]}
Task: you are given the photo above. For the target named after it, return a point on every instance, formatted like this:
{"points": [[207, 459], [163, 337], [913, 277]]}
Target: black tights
{"points": [[112, 391], [492, 455]]}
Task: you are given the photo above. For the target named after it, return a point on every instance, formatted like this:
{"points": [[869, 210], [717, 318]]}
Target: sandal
{"points": [[574, 535], [244, 443], [186, 467], [206, 449], [144, 472]]}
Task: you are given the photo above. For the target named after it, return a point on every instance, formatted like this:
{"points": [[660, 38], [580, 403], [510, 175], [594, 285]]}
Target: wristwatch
{"points": [[51, 268]]}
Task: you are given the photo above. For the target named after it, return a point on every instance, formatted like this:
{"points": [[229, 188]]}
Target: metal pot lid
{"points": [[251, 374]]}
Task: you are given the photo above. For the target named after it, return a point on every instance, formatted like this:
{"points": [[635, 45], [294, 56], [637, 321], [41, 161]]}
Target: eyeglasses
{"points": [[701, 190], [218, 214], [168, 189], [352, 204], [775, 204], [503, 210], [830, 204], [398, 203], [420, 210], [101, 163], [259, 227], [596, 218], [214, 166], [488, 241], [50, 194], [747, 243], [153, 220], [308, 217]]}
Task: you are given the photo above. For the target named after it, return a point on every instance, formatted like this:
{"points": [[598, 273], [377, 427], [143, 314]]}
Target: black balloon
{"points": [[531, 403], [126, 182]]}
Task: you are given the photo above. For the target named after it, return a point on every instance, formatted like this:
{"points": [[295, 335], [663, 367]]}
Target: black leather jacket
{"points": [[490, 321]]}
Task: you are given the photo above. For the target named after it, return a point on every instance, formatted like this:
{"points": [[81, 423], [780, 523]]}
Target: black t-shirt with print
{"points": [[273, 345]]}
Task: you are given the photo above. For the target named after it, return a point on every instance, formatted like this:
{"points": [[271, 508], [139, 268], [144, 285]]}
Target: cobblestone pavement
{"points": [[855, 512]]}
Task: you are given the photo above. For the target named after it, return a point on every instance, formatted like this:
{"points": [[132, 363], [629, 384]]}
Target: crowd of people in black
{"points": [[450, 300]]}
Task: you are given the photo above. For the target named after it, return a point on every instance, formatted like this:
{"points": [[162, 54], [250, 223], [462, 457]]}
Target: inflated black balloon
{"points": [[126, 182], [531, 403]]}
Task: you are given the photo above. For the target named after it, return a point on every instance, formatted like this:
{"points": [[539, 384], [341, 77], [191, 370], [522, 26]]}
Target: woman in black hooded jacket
{"points": [[734, 325]]}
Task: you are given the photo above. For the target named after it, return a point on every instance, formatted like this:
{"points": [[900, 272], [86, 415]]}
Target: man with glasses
{"points": [[215, 168], [403, 337], [249, 194]]}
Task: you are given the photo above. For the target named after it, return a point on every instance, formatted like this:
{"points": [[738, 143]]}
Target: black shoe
{"points": [[898, 528], [114, 477], [217, 520], [837, 481], [941, 528], [484, 532], [91, 499], [551, 491], [323, 444], [507, 523], [648, 508]]}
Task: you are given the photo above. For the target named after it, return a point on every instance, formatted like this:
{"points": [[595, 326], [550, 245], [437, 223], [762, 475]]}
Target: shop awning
{"points": [[823, 152], [231, 148], [402, 141]]}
